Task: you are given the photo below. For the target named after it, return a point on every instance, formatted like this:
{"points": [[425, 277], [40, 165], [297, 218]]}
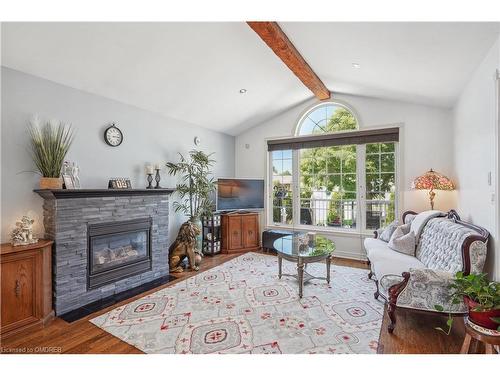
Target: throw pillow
{"points": [[388, 231], [405, 228], [409, 218], [401, 242]]}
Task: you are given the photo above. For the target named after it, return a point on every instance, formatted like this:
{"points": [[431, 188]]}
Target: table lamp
{"points": [[431, 181]]}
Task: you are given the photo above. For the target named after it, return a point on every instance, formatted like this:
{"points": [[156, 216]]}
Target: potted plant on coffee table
{"points": [[49, 145], [481, 296], [195, 188]]}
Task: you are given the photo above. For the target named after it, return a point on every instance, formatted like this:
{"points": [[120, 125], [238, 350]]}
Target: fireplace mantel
{"points": [[93, 193]]}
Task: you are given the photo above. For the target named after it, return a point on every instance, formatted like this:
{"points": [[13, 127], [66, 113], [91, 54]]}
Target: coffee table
{"points": [[303, 248]]}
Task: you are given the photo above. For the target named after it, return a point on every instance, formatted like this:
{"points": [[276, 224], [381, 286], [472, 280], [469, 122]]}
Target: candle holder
{"points": [[157, 179], [150, 180]]}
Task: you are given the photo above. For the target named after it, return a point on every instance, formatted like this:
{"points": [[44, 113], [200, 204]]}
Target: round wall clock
{"points": [[113, 136]]}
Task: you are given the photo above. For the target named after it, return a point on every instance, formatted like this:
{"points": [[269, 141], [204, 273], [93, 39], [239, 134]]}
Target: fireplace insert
{"points": [[117, 250]]}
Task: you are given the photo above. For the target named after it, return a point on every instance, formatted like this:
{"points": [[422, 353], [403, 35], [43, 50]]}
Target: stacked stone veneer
{"points": [[66, 222]]}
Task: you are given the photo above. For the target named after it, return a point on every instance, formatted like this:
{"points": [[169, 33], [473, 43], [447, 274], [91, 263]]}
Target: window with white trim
{"points": [[331, 175]]}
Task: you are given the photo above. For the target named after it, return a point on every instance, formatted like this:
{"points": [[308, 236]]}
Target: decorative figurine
{"points": [[23, 233], [184, 246], [75, 171]]}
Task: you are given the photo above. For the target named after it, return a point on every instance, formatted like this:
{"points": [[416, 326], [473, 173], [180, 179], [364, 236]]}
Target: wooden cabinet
{"points": [[26, 287], [240, 232]]}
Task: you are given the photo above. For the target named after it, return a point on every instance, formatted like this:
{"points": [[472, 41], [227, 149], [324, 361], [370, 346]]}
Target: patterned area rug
{"points": [[242, 307]]}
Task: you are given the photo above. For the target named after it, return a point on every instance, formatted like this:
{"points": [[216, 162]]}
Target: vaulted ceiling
{"points": [[194, 71]]}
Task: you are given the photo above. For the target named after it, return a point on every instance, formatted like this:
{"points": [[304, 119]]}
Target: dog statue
{"points": [[185, 246]]}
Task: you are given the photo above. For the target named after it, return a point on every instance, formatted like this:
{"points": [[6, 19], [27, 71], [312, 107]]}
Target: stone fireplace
{"points": [[106, 242]]}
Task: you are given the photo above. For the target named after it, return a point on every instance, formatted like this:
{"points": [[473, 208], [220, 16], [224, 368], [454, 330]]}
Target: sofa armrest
{"points": [[423, 289], [474, 254]]}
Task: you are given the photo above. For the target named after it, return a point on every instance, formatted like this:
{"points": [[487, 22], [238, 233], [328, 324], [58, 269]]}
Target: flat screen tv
{"points": [[235, 194]]}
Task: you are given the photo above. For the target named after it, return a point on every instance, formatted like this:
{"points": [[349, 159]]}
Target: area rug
{"points": [[242, 307]]}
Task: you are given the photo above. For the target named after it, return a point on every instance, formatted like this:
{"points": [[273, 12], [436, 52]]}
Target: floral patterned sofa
{"points": [[445, 246]]}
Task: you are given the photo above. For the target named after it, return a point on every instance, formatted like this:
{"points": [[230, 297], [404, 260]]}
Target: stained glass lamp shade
{"points": [[431, 181]]}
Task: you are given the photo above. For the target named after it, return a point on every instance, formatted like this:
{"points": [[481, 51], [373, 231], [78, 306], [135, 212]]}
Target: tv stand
{"points": [[237, 212], [240, 232]]}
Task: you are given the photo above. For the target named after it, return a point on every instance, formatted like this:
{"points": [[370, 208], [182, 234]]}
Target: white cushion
{"points": [[402, 242], [386, 233], [389, 262], [374, 243]]}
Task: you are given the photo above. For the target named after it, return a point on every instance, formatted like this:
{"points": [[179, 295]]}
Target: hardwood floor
{"points": [[414, 332]]}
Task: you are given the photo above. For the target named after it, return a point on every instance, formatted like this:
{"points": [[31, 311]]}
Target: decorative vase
{"points": [[50, 183], [482, 318], [197, 221]]}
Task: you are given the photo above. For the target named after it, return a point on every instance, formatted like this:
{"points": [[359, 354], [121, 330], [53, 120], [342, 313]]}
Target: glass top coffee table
{"points": [[302, 248]]}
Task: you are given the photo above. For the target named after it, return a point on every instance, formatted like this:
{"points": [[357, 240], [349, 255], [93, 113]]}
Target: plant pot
{"points": [[50, 183], [197, 221], [482, 318]]}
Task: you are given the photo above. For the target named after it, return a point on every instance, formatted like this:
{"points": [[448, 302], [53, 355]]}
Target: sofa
{"points": [[444, 246]]}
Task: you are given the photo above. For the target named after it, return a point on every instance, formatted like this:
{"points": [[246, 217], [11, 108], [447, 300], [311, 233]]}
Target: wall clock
{"points": [[113, 136]]}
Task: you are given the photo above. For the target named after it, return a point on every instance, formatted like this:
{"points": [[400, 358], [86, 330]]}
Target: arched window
{"points": [[333, 181], [328, 117]]}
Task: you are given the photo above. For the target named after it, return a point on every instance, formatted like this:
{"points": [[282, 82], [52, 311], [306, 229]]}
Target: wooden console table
{"points": [[26, 287]]}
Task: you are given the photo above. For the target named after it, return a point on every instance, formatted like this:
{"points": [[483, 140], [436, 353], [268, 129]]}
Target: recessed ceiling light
{"points": [[243, 91], [356, 65]]}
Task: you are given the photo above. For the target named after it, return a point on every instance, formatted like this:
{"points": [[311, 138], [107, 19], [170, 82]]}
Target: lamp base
{"points": [[432, 194]]}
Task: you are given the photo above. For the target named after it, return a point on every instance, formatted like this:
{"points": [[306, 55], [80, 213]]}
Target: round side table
{"points": [[476, 333]]}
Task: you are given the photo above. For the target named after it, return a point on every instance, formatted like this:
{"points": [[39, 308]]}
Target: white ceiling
{"points": [[194, 71], [426, 63]]}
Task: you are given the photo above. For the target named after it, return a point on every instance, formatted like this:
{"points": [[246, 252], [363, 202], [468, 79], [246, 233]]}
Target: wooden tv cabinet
{"points": [[240, 232]]}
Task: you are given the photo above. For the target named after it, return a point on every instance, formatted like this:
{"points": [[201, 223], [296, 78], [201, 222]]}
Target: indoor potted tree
{"points": [[49, 145], [195, 188]]}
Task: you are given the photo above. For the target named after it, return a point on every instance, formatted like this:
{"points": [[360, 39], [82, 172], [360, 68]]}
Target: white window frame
{"points": [[360, 229], [360, 196]]}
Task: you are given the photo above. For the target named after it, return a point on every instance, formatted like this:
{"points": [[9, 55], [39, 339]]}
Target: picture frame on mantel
{"points": [[68, 182]]}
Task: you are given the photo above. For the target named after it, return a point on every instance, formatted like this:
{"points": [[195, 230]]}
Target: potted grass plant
{"points": [[195, 188], [48, 144], [481, 296]]}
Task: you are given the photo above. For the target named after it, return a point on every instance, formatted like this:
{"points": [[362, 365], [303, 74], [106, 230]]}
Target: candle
{"points": [[149, 169], [157, 166]]}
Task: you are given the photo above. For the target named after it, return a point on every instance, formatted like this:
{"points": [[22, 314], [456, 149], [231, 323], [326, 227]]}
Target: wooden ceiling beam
{"points": [[272, 34]]}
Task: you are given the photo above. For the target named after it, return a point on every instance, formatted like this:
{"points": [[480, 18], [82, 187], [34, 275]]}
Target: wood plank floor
{"points": [[414, 332]]}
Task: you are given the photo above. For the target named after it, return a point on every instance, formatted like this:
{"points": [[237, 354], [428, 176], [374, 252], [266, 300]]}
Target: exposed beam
{"points": [[276, 39]]}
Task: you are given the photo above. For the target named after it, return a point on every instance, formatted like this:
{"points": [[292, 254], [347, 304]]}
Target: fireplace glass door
{"points": [[110, 251], [118, 250]]}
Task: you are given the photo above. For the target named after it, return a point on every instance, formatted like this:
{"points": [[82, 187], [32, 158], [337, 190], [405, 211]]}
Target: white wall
{"points": [[426, 142], [474, 125], [148, 138]]}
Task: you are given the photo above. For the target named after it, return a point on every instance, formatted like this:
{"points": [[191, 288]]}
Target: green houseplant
{"points": [[481, 296], [196, 186], [48, 145]]}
